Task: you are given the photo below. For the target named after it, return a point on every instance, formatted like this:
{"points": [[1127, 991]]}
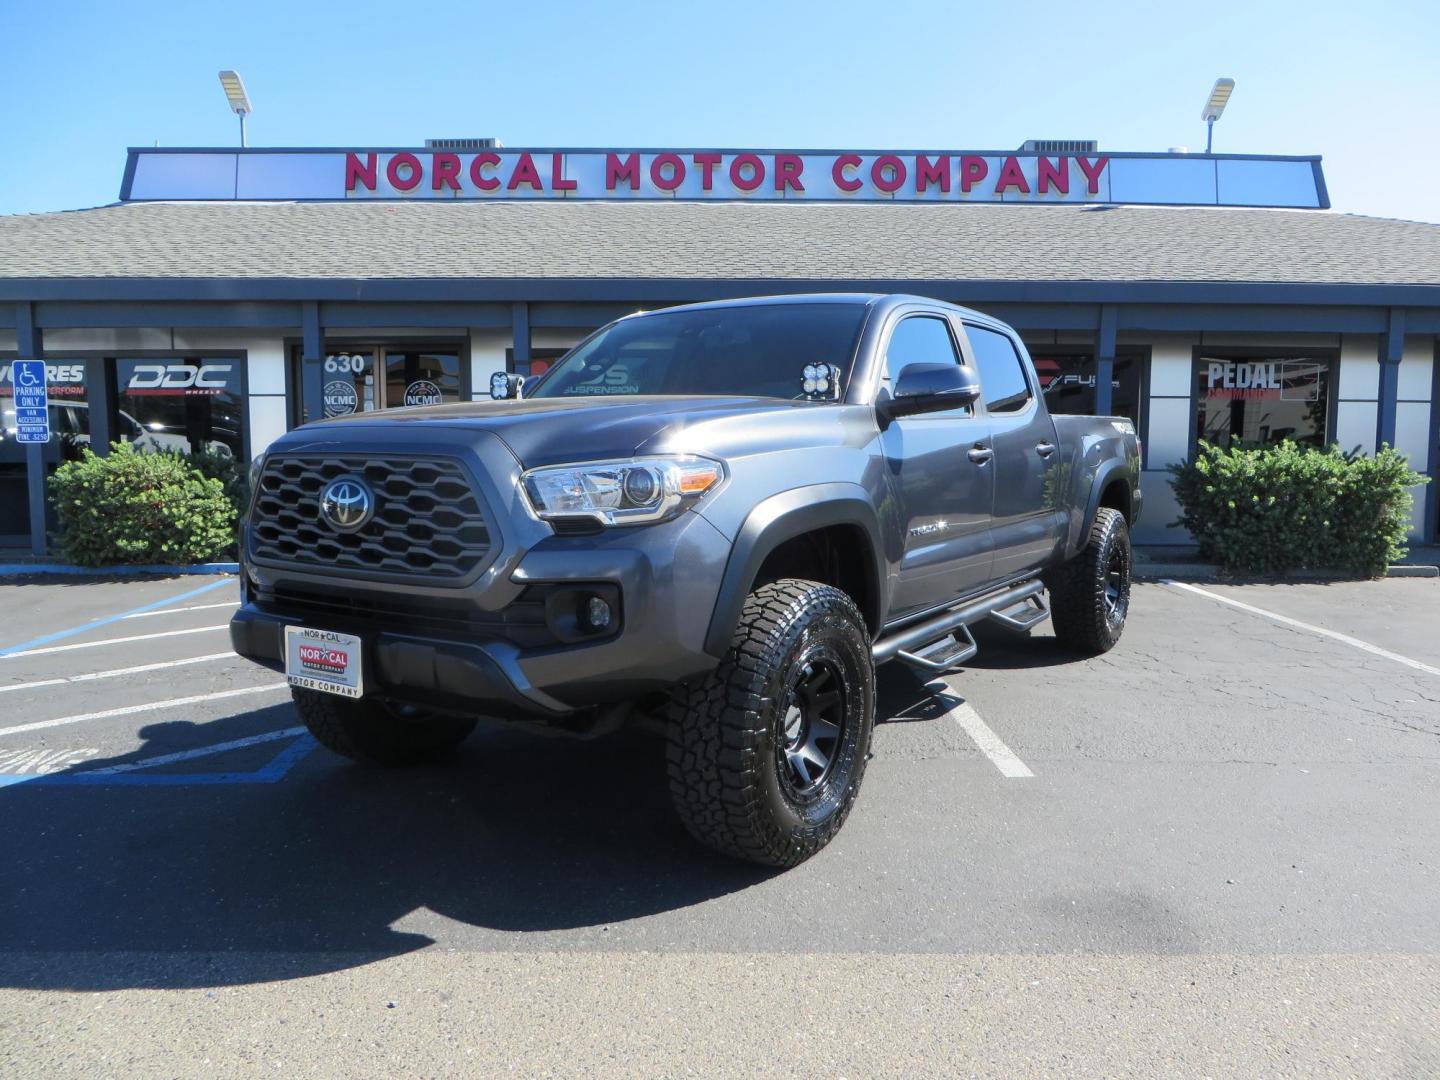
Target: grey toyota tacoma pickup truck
{"points": [[714, 519]]}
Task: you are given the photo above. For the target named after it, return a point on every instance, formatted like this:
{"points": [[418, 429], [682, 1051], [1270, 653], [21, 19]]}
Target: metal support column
{"points": [[1105, 361], [1392, 349], [312, 363], [100, 404], [29, 347], [520, 322]]}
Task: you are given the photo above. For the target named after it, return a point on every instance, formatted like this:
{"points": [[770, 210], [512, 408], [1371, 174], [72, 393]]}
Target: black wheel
{"points": [[767, 753], [364, 729], [1090, 594]]}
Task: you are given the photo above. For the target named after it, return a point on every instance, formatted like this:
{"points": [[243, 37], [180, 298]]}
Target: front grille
{"points": [[427, 520]]}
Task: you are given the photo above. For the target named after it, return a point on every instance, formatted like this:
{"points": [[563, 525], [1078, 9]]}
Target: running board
{"points": [[1026, 615], [942, 655], [915, 640]]}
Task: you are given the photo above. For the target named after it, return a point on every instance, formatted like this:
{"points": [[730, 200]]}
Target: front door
{"points": [[421, 377], [364, 377], [941, 480], [1028, 521]]}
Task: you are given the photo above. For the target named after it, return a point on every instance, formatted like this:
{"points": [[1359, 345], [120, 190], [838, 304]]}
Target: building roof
{"points": [[697, 241]]}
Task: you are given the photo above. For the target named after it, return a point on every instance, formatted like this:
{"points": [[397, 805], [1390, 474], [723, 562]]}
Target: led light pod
{"points": [[820, 381]]}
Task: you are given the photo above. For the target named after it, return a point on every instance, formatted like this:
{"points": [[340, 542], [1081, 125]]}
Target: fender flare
{"points": [[1106, 473], [783, 517]]}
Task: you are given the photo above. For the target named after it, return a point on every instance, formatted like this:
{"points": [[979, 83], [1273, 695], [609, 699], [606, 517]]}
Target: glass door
{"points": [[362, 377], [351, 382], [420, 377]]}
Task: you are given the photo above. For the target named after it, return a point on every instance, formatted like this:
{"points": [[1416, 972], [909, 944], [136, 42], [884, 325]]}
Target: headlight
{"points": [[636, 491]]}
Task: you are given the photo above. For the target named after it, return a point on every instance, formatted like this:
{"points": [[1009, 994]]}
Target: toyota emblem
{"points": [[347, 503]]}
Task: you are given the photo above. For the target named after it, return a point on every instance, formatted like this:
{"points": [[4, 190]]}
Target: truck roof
{"points": [[876, 300]]}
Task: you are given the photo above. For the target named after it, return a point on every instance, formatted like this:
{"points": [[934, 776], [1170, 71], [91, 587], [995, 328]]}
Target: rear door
{"points": [[1028, 521], [941, 480]]}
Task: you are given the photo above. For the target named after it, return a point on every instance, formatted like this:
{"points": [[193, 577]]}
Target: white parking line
{"points": [[113, 641], [115, 672], [990, 744], [1354, 643], [173, 610], [202, 751], [173, 703]]}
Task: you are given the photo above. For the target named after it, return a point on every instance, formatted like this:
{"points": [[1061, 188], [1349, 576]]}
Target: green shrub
{"points": [[138, 507], [229, 470], [1292, 507]]}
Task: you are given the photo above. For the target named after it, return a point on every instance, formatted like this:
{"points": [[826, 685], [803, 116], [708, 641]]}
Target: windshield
{"points": [[754, 351]]}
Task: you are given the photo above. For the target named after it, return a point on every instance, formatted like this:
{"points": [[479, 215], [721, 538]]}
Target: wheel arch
{"points": [[830, 509], [1113, 488]]}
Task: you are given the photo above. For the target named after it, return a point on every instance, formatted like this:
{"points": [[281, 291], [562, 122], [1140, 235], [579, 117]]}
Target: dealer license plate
{"points": [[322, 660]]}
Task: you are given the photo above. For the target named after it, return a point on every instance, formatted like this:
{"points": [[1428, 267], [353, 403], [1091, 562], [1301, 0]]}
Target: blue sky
{"points": [[1358, 83]]}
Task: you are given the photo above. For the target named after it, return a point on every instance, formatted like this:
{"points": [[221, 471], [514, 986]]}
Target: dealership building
{"points": [[232, 294]]}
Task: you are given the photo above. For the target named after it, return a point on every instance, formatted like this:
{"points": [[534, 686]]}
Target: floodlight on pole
{"points": [[238, 98], [1214, 106]]}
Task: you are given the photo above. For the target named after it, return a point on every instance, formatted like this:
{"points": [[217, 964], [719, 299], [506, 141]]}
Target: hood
{"points": [[551, 431]]}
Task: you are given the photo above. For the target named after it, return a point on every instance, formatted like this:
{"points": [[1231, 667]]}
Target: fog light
{"points": [[597, 613]]}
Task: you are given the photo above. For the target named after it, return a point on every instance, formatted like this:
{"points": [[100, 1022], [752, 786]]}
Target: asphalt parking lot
{"points": [[1212, 852]]}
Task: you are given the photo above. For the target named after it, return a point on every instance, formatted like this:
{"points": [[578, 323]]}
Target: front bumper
{"points": [[667, 577], [455, 675]]}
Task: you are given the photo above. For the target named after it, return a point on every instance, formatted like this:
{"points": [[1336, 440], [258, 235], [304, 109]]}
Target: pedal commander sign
{"points": [[1280, 380], [833, 175]]}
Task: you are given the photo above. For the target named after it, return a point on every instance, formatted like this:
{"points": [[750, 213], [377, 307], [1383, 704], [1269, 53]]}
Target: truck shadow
{"points": [[1004, 650], [160, 886]]}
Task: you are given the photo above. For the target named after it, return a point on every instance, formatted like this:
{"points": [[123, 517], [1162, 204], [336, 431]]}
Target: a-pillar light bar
{"points": [[235, 92], [1219, 95]]}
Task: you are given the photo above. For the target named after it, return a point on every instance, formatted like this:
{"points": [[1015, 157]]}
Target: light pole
{"points": [[239, 100], [1214, 106]]}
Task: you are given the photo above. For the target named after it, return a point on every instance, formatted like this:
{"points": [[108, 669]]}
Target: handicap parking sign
{"points": [[32, 403]]}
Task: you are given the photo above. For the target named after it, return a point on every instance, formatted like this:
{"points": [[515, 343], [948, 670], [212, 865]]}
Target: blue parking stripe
{"points": [[271, 773], [59, 634]]}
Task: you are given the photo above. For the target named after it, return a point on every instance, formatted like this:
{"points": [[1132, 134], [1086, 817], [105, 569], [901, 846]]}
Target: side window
{"points": [[1002, 373], [919, 339]]}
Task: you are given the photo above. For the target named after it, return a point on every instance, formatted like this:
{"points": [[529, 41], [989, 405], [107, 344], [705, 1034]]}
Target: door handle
{"points": [[1045, 449], [980, 453]]}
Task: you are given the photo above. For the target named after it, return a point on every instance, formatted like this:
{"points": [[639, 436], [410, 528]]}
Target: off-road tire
{"points": [[728, 750], [366, 730], [1090, 594]]}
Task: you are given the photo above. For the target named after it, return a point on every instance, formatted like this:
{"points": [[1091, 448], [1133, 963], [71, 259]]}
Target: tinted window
{"points": [[1067, 382], [757, 350], [421, 378], [1002, 375], [182, 404], [919, 340], [1259, 399]]}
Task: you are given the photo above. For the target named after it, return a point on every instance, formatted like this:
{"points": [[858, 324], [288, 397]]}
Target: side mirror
{"points": [[504, 386], [531, 381], [922, 388]]}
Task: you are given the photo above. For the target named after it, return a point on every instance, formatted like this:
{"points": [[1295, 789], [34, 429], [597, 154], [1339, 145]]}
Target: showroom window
{"points": [[69, 411], [69, 434], [1068, 379], [1262, 398], [190, 404]]}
